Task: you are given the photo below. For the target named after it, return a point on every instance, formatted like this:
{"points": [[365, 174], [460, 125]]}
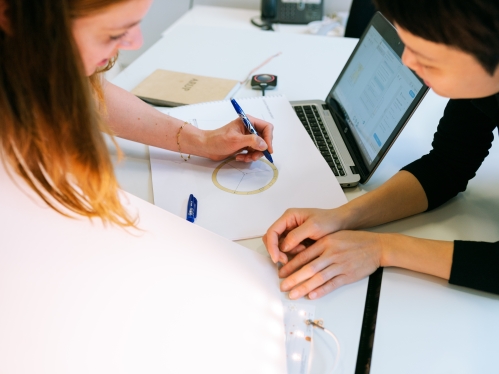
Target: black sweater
{"points": [[445, 172]]}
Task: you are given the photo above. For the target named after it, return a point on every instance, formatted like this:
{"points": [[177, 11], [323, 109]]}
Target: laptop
{"points": [[371, 101]]}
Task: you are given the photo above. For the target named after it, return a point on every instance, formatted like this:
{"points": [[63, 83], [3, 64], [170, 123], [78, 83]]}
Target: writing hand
{"points": [[233, 138]]}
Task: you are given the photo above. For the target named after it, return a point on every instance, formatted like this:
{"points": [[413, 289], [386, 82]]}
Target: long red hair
{"points": [[50, 122]]}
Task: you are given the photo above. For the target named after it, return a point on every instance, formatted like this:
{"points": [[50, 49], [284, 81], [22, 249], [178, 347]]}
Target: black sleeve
{"points": [[476, 265], [461, 143]]}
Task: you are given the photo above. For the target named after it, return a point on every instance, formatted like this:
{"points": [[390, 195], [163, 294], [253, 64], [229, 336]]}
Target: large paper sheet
{"points": [[77, 297], [239, 200]]}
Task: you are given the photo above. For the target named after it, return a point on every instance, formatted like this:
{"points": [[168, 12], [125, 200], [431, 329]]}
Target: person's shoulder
{"points": [[488, 105]]}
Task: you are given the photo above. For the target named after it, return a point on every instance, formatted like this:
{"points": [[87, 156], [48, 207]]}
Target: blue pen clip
{"points": [[192, 208]]}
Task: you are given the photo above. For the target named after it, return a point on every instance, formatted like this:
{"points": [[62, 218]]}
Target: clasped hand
{"points": [[318, 256], [233, 138]]}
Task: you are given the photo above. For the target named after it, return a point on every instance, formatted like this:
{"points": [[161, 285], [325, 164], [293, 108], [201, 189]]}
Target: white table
{"points": [[424, 325]]}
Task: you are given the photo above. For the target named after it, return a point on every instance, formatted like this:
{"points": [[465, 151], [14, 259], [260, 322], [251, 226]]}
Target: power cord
{"points": [[319, 324], [264, 25]]}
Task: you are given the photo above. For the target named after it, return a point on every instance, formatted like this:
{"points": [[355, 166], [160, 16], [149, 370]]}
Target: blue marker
{"points": [[249, 126], [192, 208]]}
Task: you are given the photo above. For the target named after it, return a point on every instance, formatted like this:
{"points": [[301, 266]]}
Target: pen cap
{"points": [[192, 208]]}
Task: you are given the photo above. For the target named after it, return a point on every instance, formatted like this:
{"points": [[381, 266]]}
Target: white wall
{"points": [[161, 15], [164, 12]]}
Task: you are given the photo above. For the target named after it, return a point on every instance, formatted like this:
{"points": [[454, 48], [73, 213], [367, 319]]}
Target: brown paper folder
{"points": [[171, 88]]}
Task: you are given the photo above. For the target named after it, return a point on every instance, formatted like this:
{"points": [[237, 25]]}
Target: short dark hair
{"points": [[471, 26]]}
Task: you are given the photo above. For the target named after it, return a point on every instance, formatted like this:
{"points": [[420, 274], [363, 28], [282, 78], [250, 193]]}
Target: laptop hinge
{"points": [[354, 170]]}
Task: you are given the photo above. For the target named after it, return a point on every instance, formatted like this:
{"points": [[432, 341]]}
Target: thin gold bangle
{"points": [[178, 141]]}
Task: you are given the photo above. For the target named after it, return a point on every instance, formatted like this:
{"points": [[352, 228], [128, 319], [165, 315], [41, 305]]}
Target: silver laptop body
{"points": [[371, 101]]}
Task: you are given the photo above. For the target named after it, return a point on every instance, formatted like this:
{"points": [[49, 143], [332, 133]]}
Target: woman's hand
{"points": [[131, 118], [233, 138], [333, 261], [317, 256], [288, 235]]}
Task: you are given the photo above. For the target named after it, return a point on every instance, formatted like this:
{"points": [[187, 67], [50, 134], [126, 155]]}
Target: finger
{"points": [[240, 139], [299, 248], [249, 141], [282, 258], [255, 142], [241, 154], [284, 223], [329, 286], [249, 157], [303, 267], [265, 130], [299, 262], [315, 282], [282, 236], [271, 241], [254, 155], [297, 236]]}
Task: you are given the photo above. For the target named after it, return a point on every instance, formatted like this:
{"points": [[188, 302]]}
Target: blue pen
{"points": [[248, 125], [192, 208]]}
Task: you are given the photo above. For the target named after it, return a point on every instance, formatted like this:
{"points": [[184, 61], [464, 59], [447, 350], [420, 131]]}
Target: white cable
{"points": [[337, 358], [258, 67], [338, 346]]}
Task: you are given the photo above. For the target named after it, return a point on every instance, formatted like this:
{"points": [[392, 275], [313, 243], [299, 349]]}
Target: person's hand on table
{"points": [[331, 262], [233, 138], [288, 235], [317, 257]]}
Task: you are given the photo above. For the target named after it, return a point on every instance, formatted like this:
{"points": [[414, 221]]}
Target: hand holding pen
{"points": [[249, 127], [233, 138]]}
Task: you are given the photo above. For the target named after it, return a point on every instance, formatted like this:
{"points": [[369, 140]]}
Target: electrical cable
{"points": [[267, 26], [258, 67], [319, 325]]}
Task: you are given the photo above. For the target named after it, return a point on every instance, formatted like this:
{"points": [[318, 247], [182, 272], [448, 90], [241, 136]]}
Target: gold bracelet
{"points": [[178, 141]]}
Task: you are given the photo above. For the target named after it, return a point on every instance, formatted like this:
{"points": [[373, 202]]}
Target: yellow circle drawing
{"points": [[241, 178]]}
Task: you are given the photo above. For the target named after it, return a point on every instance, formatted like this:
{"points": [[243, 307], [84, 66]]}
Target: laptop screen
{"points": [[374, 93]]}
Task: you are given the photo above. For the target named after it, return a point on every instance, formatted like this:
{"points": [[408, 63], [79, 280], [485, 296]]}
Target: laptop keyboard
{"points": [[310, 118]]}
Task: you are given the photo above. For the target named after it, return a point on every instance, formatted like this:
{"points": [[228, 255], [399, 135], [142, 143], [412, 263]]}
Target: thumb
{"points": [[258, 143]]}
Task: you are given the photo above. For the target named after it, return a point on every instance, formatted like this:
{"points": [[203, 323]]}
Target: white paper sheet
{"points": [[301, 179], [76, 297]]}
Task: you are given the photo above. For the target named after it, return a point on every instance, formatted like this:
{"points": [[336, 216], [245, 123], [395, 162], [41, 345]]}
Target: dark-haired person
{"points": [[454, 47], [54, 103]]}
